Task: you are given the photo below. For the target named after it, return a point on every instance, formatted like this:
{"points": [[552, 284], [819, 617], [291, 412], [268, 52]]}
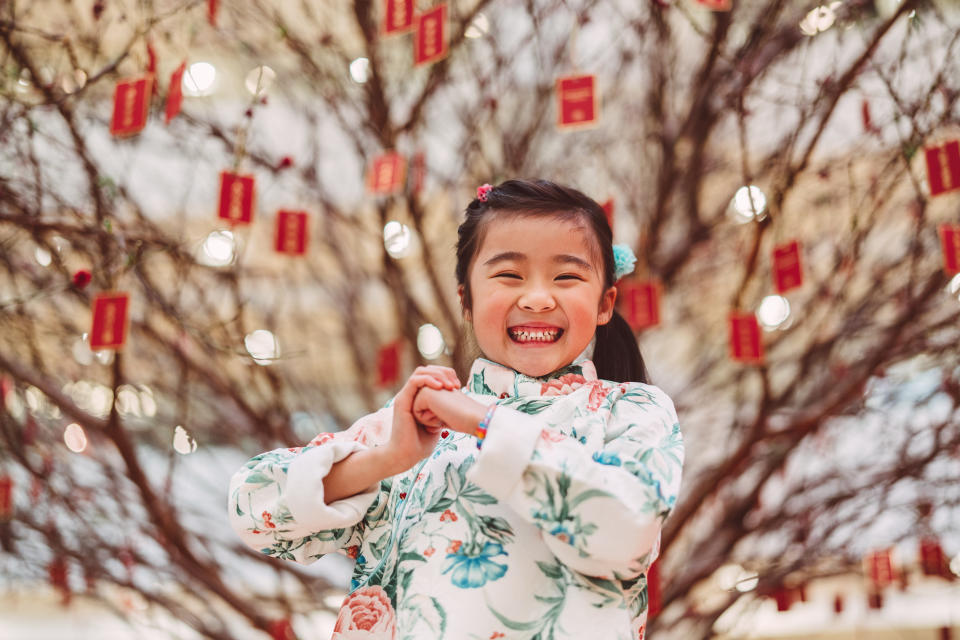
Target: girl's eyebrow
{"points": [[563, 258]]}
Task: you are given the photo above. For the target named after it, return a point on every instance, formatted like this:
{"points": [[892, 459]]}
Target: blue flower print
{"points": [[472, 571], [607, 457], [563, 534]]}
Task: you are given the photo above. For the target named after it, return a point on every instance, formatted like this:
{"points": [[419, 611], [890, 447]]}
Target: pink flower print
{"points": [[454, 546], [597, 393], [567, 383], [641, 631], [429, 551], [551, 436], [495, 635], [448, 515], [419, 477], [268, 520], [353, 551], [366, 614], [320, 439], [295, 449]]}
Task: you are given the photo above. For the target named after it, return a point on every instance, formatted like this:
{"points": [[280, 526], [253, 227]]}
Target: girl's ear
{"points": [[466, 312], [607, 302]]}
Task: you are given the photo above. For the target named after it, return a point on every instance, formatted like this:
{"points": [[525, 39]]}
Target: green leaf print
{"points": [[443, 616], [479, 385], [533, 406]]}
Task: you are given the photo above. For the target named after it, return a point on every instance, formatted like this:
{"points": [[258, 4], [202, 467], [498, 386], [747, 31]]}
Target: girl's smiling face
{"points": [[537, 290]]}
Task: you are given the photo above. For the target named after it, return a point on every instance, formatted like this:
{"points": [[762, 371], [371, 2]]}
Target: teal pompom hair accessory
{"points": [[623, 261]]}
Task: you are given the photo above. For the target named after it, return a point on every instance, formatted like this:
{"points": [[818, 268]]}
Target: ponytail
{"points": [[616, 354]]}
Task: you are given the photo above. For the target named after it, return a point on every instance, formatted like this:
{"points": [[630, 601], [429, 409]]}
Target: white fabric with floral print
{"points": [[547, 532]]}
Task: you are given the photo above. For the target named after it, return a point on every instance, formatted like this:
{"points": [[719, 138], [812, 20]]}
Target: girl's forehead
{"points": [[539, 235]]}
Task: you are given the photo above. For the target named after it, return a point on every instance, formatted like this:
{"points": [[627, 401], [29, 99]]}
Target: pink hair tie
{"points": [[482, 192]]}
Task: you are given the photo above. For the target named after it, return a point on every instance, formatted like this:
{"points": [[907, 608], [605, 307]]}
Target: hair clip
{"points": [[623, 261], [482, 192]]}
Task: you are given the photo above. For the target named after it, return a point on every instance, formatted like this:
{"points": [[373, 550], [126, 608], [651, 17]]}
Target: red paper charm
{"points": [[131, 100], [654, 597], [387, 174], [6, 497], [292, 232], [838, 603], [431, 40], [577, 101], [950, 240], [716, 5], [608, 210], [58, 578], [787, 269], [933, 560], [746, 343], [388, 364], [398, 16], [875, 600], [109, 329], [282, 630], [175, 92], [943, 167], [879, 568], [212, 12], [641, 303], [783, 598], [236, 197]]}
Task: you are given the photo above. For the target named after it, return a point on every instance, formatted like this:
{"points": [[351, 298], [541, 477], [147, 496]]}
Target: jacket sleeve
{"points": [[599, 499], [276, 502]]}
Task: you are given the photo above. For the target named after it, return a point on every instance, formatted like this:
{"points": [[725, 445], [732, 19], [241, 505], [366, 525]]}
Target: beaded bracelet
{"points": [[481, 431]]}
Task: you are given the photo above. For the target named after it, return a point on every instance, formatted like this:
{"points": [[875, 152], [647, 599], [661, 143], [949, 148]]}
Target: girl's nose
{"points": [[536, 299]]}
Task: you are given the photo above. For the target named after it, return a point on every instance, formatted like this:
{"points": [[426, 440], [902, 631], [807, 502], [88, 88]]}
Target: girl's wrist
{"points": [[458, 411]]}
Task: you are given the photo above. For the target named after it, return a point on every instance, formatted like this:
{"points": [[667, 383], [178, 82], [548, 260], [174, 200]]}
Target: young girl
{"points": [[527, 504]]}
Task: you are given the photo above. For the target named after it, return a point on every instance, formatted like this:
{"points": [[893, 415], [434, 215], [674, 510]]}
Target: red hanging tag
{"points": [[175, 93], [398, 16], [879, 568], [212, 12], [577, 101], [875, 600], [131, 101], [933, 560], [58, 578], [838, 603], [236, 197], [6, 497], [418, 171], [787, 267], [746, 343], [431, 40], [109, 327], [608, 211], [388, 364], [943, 167], [282, 630], [291, 232], [716, 5], [640, 303], [387, 173], [654, 592], [950, 241], [783, 598]]}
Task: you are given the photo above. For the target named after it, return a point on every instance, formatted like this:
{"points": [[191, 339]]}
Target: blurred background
{"points": [[788, 174]]}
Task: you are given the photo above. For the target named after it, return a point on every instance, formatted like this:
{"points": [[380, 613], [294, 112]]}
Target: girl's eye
{"points": [[569, 276], [507, 275]]}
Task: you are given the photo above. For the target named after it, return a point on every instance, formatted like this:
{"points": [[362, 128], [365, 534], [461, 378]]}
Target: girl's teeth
{"points": [[529, 335]]}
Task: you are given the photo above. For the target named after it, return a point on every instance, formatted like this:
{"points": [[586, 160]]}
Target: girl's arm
{"points": [[599, 498], [284, 503]]}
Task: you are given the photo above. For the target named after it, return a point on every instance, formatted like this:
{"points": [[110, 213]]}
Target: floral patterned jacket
{"points": [[545, 533]]}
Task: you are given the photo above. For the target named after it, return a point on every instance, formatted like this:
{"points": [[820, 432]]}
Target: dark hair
{"points": [[616, 353]]}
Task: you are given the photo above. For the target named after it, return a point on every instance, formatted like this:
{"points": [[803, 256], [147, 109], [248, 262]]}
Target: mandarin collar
{"points": [[491, 378]]}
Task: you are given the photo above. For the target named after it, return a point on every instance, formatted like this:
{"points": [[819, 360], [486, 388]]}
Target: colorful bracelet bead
{"points": [[481, 431]]}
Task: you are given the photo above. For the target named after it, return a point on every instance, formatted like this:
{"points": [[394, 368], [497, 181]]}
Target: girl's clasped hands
{"points": [[429, 403]]}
